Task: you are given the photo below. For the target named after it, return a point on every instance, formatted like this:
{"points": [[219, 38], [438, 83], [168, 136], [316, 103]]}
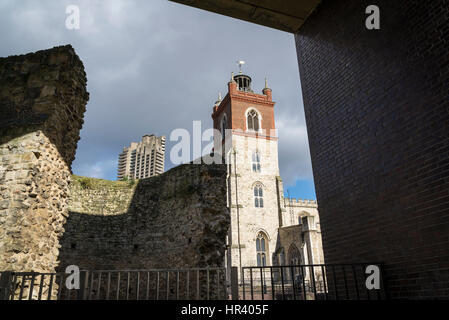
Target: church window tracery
{"points": [[261, 249], [258, 196], [253, 121]]}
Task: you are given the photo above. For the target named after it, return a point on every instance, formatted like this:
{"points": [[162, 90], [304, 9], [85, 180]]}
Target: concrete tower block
{"points": [[42, 102]]}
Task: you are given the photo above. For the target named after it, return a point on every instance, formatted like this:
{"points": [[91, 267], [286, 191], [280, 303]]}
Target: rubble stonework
{"points": [[178, 219], [42, 101]]}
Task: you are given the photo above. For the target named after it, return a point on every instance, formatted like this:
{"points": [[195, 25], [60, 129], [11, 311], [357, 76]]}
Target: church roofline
{"points": [[300, 202]]}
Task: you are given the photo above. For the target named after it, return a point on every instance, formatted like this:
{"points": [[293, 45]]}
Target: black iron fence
{"points": [[300, 282], [160, 284], [313, 282]]}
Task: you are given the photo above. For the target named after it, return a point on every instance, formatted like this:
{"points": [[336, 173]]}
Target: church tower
{"points": [[249, 144]]}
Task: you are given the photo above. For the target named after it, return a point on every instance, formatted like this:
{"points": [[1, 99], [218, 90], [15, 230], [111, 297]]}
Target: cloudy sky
{"points": [[154, 66]]}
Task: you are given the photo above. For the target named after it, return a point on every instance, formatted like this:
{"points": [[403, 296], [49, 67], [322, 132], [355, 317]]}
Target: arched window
{"points": [[261, 249], [253, 120], [256, 162], [258, 196], [294, 257], [224, 125]]}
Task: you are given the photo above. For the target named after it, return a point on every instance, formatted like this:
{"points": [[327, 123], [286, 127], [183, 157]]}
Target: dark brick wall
{"points": [[377, 111]]}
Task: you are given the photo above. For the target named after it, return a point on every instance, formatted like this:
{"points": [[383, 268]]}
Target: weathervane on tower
{"points": [[240, 63]]}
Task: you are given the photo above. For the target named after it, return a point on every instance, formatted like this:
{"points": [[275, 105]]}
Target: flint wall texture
{"points": [[177, 219], [42, 101], [377, 111]]}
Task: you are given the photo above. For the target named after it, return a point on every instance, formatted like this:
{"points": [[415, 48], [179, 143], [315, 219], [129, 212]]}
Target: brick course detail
{"points": [[377, 111]]}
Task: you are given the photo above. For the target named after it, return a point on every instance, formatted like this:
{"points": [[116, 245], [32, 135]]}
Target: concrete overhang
{"points": [[285, 15]]}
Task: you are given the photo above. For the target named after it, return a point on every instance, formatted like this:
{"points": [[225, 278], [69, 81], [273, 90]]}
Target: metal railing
{"points": [[300, 282], [309, 282], [155, 284]]}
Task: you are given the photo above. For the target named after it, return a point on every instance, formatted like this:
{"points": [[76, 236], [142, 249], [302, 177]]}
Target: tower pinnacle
{"points": [[219, 99], [267, 90]]}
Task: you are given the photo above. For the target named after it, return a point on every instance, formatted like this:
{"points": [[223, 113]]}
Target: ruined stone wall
{"points": [[42, 101], [177, 219]]}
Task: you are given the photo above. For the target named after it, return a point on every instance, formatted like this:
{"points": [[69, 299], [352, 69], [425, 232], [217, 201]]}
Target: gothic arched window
{"points": [[256, 162], [294, 257], [261, 249], [258, 196], [224, 125], [253, 120]]}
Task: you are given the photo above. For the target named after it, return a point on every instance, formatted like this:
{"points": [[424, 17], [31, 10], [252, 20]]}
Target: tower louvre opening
{"points": [[243, 82]]}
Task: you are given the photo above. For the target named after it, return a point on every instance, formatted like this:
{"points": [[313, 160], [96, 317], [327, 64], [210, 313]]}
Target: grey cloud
{"points": [[154, 66]]}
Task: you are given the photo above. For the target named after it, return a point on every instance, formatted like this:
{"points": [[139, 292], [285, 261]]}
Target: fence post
{"points": [[234, 283], [5, 284]]}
